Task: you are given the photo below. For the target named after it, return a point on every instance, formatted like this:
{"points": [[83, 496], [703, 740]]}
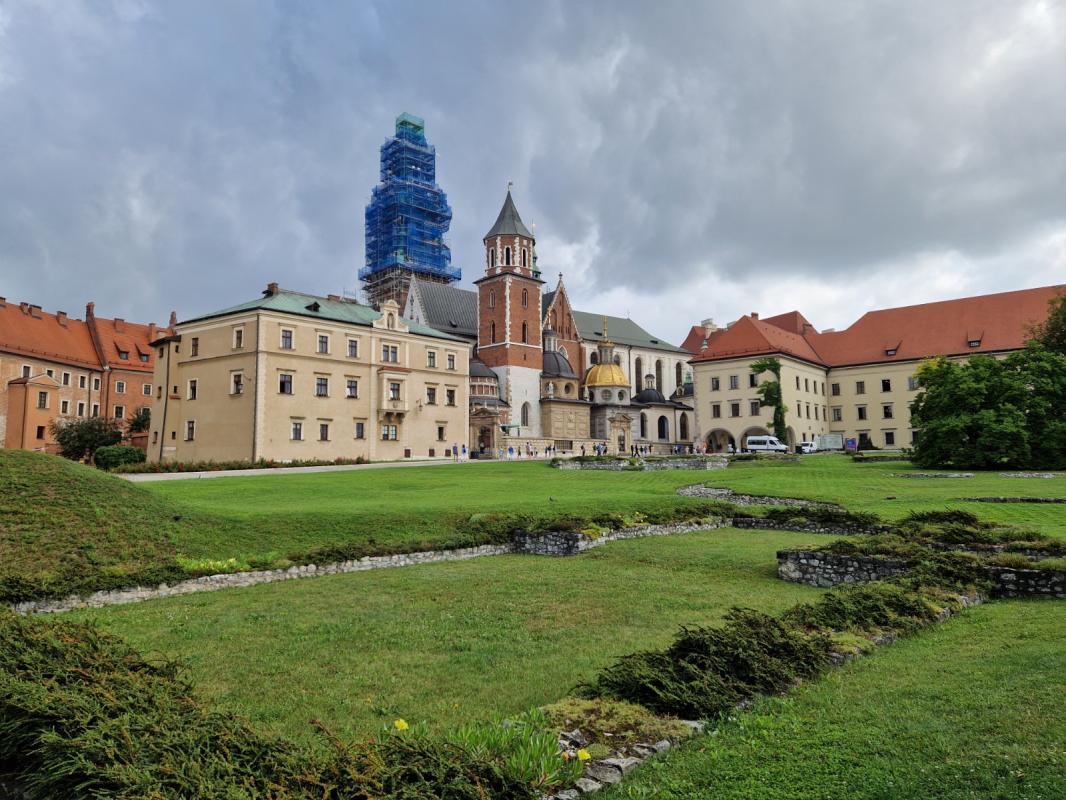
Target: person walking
{"points": [[455, 451]]}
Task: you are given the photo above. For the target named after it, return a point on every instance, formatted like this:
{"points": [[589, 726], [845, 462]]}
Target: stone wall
{"points": [[760, 523], [623, 464], [826, 570], [1011, 582], [568, 543]]}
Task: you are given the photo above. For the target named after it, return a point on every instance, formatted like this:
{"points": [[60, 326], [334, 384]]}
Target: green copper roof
{"points": [[302, 305]]}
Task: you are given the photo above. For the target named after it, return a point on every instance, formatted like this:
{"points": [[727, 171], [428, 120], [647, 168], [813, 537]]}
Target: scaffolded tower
{"points": [[407, 218]]}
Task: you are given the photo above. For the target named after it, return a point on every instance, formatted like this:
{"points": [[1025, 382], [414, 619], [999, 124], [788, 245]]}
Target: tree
{"points": [[1052, 332], [140, 421], [770, 393], [80, 438], [991, 413]]}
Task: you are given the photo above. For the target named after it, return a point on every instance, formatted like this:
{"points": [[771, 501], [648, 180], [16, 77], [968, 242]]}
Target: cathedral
{"points": [[544, 374]]}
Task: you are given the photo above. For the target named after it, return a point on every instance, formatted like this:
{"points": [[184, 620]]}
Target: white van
{"points": [[764, 444]]}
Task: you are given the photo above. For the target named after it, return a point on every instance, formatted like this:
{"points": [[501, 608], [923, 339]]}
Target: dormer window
{"points": [[891, 351], [974, 343], [313, 307], [124, 354]]}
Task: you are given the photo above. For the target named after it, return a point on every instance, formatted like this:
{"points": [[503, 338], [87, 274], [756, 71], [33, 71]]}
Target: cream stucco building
{"points": [[858, 382], [292, 376]]}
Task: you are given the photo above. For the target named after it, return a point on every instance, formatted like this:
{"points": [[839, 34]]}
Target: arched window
{"points": [[492, 332], [525, 257], [682, 425], [492, 257], [618, 360], [659, 374], [677, 375], [525, 415], [638, 378], [525, 304], [643, 425], [595, 358], [507, 256], [390, 322], [492, 299], [664, 429], [568, 389], [562, 350], [525, 333]]}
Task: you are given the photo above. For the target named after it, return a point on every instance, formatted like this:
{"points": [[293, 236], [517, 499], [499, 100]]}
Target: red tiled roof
{"points": [[999, 322], [29, 331], [694, 340], [116, 336]]}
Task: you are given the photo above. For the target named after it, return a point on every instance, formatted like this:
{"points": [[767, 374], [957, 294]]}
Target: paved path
{"points": [[142, 477]]}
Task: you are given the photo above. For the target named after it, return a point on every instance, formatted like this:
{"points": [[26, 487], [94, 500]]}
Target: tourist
{"points": [[464, 452], [455, 451]]}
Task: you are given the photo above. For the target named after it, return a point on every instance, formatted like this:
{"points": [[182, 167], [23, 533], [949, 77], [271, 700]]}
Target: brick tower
{"points": [[509, 321]]}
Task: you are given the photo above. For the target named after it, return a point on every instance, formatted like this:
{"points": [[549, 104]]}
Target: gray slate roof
{"points": [[509, 223], [449, 308], [620, 329]]}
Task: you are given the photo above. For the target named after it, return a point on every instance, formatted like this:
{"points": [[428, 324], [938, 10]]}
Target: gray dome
{"points": [[650, 396], [479, 370], [556, 366]]}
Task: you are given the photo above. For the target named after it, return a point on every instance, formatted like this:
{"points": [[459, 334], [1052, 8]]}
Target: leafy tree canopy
{"points": [[81, 438]]}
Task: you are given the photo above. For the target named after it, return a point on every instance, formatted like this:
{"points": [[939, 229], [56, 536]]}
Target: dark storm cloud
{"points": [[180, 155]]}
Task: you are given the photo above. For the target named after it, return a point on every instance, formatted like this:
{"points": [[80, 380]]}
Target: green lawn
{"points": [[266, 516], [453, 641], [971, 709]]}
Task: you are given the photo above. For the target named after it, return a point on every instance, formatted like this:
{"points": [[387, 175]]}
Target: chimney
{"points": [[173, 319], [152, 331], [89, 311], [272, 289], [120, 325], [754, 314], [24, 308], [35, 311], [61, 318], [708, 326], [336, 298], [3, 302]]}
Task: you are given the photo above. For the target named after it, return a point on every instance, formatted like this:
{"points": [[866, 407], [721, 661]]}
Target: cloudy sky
{"points": [[680, 159]]}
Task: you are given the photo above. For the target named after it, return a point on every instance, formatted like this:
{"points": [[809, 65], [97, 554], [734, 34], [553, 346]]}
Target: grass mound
{"points": [[65, 528]]}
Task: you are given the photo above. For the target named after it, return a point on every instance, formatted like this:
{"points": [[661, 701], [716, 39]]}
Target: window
{"points": [[716, 410], [451, 361], [51, 373], [492, 258], [394, 391], [860, 387], [66, 379], [120, 387], [124, 354], [353, 348], [236, 383], [81, 409], [449, 395], [507, 256], [492, 332], [525, 292], [96, 384], [238, 338], [525, 331], [26, 370], [323, 343], [808, 410], [352, 388], [431, 395], [191, 393], [286, 339], [806, 385], [525, 415], [42, 399], [390, 353], [834, 389], [190, 430], [861, 411], [143, 357], [886, 411], [890, 438], [890, 351], [360, 430], [284, 384], [525, 259], [146, 389], [323, 431], [753, 380], [799, 409], [442, 433], [120, 412], [40, 431], [388, 433], [716, 384], [912, 383], [81, 381], [431, 359], [321, 386], [492, 299], [390, 322], [96, 409], [734, 409], [754, 408], [974, 343], [838, 414], [797, 383], [64, 406], [816, 412], [734, 382], [162, 352], [886, 384], [297, 431]]}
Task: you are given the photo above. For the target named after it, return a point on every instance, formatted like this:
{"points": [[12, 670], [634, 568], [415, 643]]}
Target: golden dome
{"points": [[606, 375]]}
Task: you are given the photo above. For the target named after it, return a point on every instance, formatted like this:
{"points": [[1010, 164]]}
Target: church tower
{"points": [[509, 316]]}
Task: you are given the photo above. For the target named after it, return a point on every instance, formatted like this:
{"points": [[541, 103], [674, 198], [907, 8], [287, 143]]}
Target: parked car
{"points": [[764, 444], [807, 447]]}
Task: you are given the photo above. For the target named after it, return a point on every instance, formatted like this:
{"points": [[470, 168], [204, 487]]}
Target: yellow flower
{"points": [[583, 754], [401, 725]]}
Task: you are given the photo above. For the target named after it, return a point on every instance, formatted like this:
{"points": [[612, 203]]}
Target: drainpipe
{"points": [[166, 403], [255, 387]]}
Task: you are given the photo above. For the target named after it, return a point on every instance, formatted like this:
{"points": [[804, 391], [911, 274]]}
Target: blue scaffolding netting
{"points": [[408, 214]]}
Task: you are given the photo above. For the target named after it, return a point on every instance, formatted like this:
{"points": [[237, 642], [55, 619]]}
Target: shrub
{"points": [[81, 438], [708, 671], [613, 722], [866, 608], [216, 466], [116, 455], [823, 516], [1014, 561]]}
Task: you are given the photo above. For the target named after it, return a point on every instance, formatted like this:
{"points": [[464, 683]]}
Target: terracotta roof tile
{"points": [[750, 337], [116, 336], [27, 330]]}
